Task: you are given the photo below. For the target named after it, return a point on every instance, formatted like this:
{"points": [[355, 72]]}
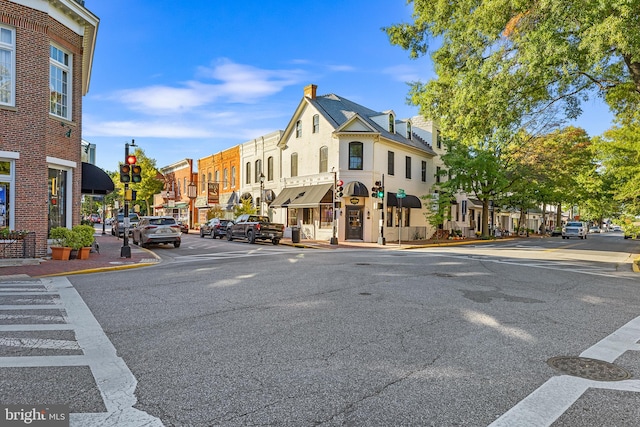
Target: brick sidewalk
{"points": [[108, 259]]}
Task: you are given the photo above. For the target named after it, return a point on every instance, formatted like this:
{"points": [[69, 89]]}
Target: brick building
{"points": [[46, 53]]}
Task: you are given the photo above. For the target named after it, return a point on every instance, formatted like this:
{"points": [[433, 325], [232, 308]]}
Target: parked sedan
{"points": [[155, 230], [184, 227], [215, 227]]}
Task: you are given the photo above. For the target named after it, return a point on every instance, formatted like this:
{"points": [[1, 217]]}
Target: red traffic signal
{"points": [[131, 160]]}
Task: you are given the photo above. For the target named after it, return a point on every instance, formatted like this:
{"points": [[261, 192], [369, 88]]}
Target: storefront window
{"points": [[292, 217], [6, 179], [326, 216], [57, 198]]}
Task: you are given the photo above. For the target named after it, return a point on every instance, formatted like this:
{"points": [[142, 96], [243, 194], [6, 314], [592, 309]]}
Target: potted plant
{"points": [[60, 248], [82, 239]]}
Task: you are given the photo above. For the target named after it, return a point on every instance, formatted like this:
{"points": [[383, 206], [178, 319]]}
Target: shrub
{"points": [[82, 236], [60, 236]]}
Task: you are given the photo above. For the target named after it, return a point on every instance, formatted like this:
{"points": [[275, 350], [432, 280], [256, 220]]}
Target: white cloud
{"points": [[404, 73]]}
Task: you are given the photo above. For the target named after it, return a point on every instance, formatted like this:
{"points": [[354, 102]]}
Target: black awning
{"points": [[408, 201], [356, 189], [95, 180]]}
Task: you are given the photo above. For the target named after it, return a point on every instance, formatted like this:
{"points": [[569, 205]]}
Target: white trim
{"points": [[11, 179], [61, 162], [10, 154]]}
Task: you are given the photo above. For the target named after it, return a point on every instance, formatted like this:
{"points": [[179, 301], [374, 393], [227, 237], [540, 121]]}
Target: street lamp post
{"points": [[261, 191], [192, 193]]}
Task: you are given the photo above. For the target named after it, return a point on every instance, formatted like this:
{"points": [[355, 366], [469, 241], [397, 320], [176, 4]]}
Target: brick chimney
{"points": [[310, 91]]}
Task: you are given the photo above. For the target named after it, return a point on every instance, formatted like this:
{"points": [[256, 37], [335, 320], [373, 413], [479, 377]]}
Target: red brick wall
{"points": [[28, 128]]}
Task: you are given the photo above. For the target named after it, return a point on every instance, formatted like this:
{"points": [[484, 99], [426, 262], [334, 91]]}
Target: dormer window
{"points": [[392, 123], [409, 132], [299, 129]]}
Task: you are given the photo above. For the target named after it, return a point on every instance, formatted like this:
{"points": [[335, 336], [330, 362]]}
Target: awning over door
{"points": [[95, 180], [300, 197], [356, 189], [407, 202]]}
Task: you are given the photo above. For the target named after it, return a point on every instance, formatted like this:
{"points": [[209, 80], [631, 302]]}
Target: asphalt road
{"points": [[247, 334]]}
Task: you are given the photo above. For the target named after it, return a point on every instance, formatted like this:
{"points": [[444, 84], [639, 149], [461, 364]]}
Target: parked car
{"points": [[574, 229], [155, 230], [255, 227], [95, 218], [595, 230], [556, 232], [184, 227], [616, 228], [215, 227], [117, 227]]}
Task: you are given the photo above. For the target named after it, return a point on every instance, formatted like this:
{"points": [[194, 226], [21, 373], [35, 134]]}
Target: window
{"points": [[355, 155], [423, 171], [208, 177], [326, 216], [391, 158], [225, 178], [407, 167], [324, 159], [7, 66], [258, 170], [60, 83], [409, 130], [6, 182], [217, 175], [392, 123], [202, 183], [438, 174], [58, 195], [294, 164], [316, 123], [438, 139], [247, 173], [184, 184], [292, 217], [233, 176], [270, 168], [299, 129]]}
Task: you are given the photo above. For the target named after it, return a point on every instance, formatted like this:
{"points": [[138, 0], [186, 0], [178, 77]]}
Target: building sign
{"points": [[213, 194]]}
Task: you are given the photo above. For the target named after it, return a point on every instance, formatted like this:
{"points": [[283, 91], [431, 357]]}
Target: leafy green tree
{"points": [[499, 64], [440, 210], [245, 207], [618, 150]]}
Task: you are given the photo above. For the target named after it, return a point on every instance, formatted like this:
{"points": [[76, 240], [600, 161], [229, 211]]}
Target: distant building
{"points": [[46, 55]]}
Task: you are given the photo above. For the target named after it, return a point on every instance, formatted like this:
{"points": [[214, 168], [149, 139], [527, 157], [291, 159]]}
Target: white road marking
{"points": [[113, 378], [553, 398]]}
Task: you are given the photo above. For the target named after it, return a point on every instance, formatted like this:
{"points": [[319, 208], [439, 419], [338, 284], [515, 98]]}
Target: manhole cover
{"points": [[592, 369]]}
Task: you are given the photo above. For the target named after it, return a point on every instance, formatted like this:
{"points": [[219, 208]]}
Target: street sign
{"points": [[400, 194]]}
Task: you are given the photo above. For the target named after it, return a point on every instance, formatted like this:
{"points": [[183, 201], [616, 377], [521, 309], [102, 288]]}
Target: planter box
{"points": [[83, 253], [60, 253]]}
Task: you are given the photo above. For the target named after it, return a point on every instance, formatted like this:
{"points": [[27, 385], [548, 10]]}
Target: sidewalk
{"points": [[109, 257]]}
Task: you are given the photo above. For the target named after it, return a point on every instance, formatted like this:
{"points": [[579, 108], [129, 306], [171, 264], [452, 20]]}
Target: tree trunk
{"points": [[521, 223], [485, 218], [559, 215]]}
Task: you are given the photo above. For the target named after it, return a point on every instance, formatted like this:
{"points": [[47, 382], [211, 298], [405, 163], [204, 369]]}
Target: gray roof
{"points": [[338, 110]]}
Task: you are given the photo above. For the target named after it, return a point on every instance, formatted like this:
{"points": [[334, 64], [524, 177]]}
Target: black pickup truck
{"points": [[255, 227]]}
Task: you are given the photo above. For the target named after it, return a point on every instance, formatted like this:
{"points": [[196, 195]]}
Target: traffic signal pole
{"points": [[125, 250]]}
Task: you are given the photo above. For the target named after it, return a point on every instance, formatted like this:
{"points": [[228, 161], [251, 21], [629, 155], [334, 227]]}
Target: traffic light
{"points": [[136, 174], [131, 160], [339, 188], [377, 190], [125, 173]]}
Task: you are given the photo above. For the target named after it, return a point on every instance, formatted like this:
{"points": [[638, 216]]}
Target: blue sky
{"points": [[187, 79]]}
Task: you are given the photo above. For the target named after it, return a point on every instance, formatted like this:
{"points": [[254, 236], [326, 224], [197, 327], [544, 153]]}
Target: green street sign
{"points": [[400, 194]]}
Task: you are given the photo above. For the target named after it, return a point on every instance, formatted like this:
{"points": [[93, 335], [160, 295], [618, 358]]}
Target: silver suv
{"points": [[574, 229], [117, 225], [156, 229]]}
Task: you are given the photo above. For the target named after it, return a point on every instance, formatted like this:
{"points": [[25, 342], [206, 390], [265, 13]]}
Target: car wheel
{"points": [[201, 234], [176, 244], [275, 241], [251, 237], [229, 236]]}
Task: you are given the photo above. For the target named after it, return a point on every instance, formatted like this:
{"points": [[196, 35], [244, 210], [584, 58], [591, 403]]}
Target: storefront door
{"points": [[354, 223]]}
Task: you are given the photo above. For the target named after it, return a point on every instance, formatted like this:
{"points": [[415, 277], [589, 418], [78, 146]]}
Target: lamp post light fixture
{"points": [[192, 193], [261, 191]]}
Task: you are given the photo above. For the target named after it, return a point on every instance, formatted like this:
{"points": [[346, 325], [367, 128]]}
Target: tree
{"points": [[618, 150], [502, 63], [146, 189], [245, 207], [439, 210]]}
